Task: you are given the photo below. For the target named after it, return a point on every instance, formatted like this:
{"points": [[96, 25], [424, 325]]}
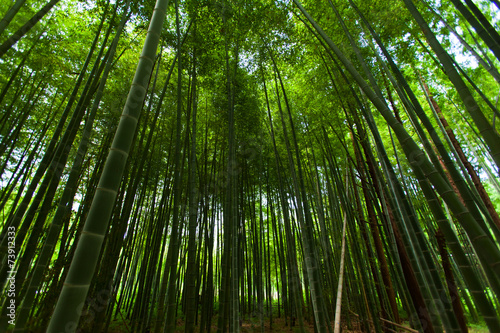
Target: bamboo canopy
{"points": [[249, 165]]}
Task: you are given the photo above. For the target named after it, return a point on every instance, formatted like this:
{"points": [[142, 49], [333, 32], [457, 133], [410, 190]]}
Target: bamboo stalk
{"points": [[341, 275]]}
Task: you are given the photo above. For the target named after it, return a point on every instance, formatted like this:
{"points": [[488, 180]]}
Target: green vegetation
{"points": [[240, 166]]}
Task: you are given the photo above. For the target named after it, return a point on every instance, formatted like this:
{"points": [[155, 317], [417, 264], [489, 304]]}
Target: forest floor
{"points": [[278, 325], [247, 326]]}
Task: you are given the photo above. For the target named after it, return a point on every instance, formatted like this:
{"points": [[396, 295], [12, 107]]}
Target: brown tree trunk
{"points": [[450, 281], [450, 179], [473, 174], [386, 277], [408, 272], [411, 279]]}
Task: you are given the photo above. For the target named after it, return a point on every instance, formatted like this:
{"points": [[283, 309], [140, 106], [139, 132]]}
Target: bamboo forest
{"points": [[250, 166]]}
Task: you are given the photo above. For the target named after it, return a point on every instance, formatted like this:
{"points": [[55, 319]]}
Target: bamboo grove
{"points": [[236, 165]]}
